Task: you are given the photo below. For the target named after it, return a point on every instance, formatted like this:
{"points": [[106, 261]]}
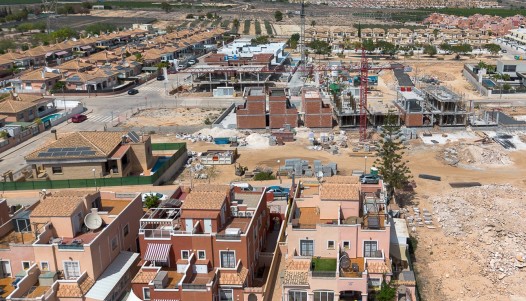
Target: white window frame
{"points": [[144, 289], [333, 245], [221, 259], [65, 270], [326, 296], [42, 265], [346, 242], [301, 254], [363, 247], [199, 257], [28, 265], [187, 254], [297, 292], [378, 280], [226, 289]]}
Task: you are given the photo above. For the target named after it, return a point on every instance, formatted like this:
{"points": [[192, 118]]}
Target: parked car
{"points": [[369, 179], [192, 62], [279, 191], [133, 91], [182, 66], [162, 197], [243, 186], [504, 51], [78, 118], [160, 77]]}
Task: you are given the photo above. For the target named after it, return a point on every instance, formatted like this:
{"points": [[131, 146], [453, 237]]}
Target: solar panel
{"points": [[87, 153], [133, 136], [45, 155], [73, 154], [58, 154], [69, 149], [84, 148], [54, 150]]}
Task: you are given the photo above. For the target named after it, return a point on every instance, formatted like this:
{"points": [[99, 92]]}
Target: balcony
{"points": [[200, 281], [160, 223], [355, 270], [323, 267]]}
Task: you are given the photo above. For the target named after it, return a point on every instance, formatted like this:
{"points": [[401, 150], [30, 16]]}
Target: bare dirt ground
{"points": [[171, 117], [476, 251]]}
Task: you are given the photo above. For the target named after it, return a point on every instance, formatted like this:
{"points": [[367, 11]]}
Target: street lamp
{"points": [[94, 178], [279, 167], [365, 166]]}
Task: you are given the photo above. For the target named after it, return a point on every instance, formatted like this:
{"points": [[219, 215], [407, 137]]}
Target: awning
{"points": [[157, 252], [85, 47], [61, 53]]}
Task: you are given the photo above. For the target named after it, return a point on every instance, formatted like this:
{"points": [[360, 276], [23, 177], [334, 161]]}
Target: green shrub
{"points": [[264, 176]]}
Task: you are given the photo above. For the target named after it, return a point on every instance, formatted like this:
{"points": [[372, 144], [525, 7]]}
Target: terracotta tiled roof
{"points": [[37, 75], [61, 206], [342, 180], [204, 200], [14, 106], [296, 272], [379, 267], [102, 143], [238, 278], [144, 277], [330, 191], [74, 290]]}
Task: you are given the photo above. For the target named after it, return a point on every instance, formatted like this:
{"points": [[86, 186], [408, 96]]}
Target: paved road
{"points": [[511, 50]]}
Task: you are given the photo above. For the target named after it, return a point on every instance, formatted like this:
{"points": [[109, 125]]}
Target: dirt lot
{"points": [[477, 250], [171, 117]]}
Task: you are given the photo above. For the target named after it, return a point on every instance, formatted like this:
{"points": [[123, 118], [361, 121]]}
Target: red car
{"points": [[78, 118]]}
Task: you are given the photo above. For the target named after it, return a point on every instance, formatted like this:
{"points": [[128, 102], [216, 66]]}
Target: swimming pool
{"points": [[158, 164], [488, 83], [51, 117]]}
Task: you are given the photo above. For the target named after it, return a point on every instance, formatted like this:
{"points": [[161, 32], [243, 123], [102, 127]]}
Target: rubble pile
{"points": [[462, 155], [486, 222]]}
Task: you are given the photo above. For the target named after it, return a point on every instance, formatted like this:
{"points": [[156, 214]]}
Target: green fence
{"points": [[100, 182]]}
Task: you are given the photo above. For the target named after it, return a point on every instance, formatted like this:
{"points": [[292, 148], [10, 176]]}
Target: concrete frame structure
{"points": [[53, 256], [212, 247]]}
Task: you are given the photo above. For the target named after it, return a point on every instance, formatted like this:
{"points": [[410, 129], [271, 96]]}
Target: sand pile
{"points": [[465, 155], [257, 141], [218, 132]]}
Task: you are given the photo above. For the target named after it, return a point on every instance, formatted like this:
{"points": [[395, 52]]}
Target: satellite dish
{"points": [[93, 221], [345, 262]]}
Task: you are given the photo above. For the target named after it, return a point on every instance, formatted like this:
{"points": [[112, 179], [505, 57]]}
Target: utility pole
{"points": [[302, 34]]}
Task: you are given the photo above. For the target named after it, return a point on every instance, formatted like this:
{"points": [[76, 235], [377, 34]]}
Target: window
{"points": [[146, 293], [306, 247], [71, 269], [330, 244], [114, 244], [44, 266], [375, 282], [346, 244], [509, 68], [297, 296], [370, 248], [26, 265], [185, 254], [201, 254], [126, 230], [56, 170], [228, 259], [226, 295], [324, 296]]}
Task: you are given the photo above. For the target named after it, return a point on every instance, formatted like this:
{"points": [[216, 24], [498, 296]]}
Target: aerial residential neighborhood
{"points": [[262, 150]]}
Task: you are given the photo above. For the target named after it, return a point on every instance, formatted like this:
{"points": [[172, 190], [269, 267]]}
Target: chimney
{"points": [[124, 139]]}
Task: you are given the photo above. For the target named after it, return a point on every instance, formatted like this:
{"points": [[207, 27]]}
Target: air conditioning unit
{"points": [[249, 214], [241, 213], [233, 209], [234, 213]]}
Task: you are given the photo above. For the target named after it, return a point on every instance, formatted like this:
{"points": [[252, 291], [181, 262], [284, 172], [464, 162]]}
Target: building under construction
{"points": [[430, 106]]}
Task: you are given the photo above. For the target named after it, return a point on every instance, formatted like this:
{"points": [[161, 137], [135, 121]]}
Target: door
{"points": [[5, 268], [71, 269], [208, 225], [189, 225]]}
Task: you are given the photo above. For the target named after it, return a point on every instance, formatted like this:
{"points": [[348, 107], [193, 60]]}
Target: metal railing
{"points": [[228, 236], [71, 247], [156, 233], [324, 274], [194, 286], [351, 274]]}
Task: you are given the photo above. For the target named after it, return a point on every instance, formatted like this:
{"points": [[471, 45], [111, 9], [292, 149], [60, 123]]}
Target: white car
{"points": [[162, 197]]}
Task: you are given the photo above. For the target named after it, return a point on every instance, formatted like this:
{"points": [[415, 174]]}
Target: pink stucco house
{"points": [[338, 241], [49, 252]]}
